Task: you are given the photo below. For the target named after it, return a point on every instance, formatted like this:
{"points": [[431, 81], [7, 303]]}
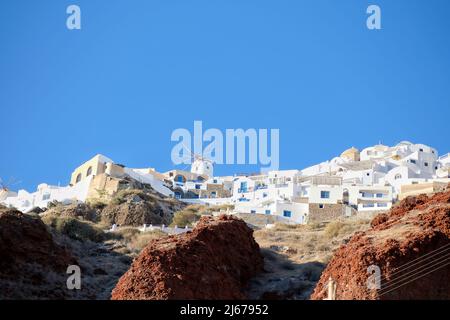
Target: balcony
{"points": [[373, 196]]}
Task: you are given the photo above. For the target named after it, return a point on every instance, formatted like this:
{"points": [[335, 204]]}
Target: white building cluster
{"points": [[370, 180]]}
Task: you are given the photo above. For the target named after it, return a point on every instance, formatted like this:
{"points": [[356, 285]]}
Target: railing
{"points": [[384, 196], [165, 229]]}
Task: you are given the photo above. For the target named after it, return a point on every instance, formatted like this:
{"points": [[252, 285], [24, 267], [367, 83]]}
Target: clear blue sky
{"points": [[139, 69]]}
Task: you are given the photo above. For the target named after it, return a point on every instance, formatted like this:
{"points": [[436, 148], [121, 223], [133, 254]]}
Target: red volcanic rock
{"points": [[214, 261], [411, 246], [30, 261]]}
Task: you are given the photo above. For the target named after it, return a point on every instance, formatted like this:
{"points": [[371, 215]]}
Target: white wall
{"points": [[335, 192], [156, 184], [45, 193]]}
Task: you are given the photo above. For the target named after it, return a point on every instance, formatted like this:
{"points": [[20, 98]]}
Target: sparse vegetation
{"points": [[187, 216], [295, 255], [312, 242], [97, 204], [74, 228], [126, 233], [122, 195], [134, 239], [141, 240], [333, 229], [53, 204]]}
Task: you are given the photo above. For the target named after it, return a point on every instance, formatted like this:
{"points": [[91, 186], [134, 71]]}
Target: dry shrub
{"points": [[97, 204], [126, 233], [188, 216], [333, 229], [74, 228], [122, 195], [345, 227], [141, 240], [134, 239], [288, 227]]}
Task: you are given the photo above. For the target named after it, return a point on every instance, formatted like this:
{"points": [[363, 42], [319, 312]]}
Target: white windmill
{"points": [[200, 165]]}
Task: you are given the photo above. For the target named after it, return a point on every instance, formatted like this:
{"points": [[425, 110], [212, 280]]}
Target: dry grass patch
{"points": [[312, 242], [140, 241], [134, 239], [74, 228]]}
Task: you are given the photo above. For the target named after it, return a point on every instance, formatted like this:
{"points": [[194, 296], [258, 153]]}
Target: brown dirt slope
{"points": [[135, 207], [32, 265], [214, 261], [411, 246]]}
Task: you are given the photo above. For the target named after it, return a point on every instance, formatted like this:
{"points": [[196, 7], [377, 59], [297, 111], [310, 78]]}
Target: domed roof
{"points": [[350, 150], [380, 147], [352, 154], [404, 143]]}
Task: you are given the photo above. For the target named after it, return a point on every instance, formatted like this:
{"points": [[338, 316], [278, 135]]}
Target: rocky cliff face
{"points": [[411, 246], [214, 261], [32, 265]]}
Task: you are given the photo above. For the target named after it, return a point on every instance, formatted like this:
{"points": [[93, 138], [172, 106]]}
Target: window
{"points": [[368, 205], [243, 187], [213, 194], [379, 195], [287, 213], [197, 186], [398, 176], [320, 206], [367, 174], [264, 195], [382, 205], [425, 164], [89, 172], [46, 196], [412, 161], [179, 178], [325, 194], [267, 211], [215, 181], [421, 150], [435, 168], [252, 211], [78, 178], [177, 195]]}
